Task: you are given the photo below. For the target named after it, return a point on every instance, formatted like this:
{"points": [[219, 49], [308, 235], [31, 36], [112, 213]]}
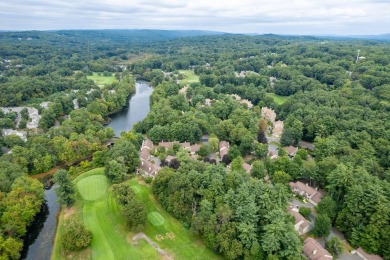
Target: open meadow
{"points": [[190, 77], [280, 100], [101, 80]]}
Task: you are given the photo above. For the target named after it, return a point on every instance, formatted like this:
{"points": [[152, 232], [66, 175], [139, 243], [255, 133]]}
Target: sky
{"points": [[309, 17]]}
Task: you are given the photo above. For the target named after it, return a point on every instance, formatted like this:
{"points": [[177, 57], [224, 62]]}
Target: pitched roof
{"points": [[278, 128], [145, 154], [291, 150], [318, 197], [247, 167], [147, 143], [268, 114], [314, 251], [298, 217], [170, 158], [186, 145], [302, 187], [360, 251], [195, 148], [166, 144], [223, 148]]}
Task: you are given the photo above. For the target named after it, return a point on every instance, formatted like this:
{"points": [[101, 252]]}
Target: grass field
{"points": [[190, 77], [102, 80], [93, 187], [156, 219], [171, 235], [278, 99], [111, 239]]}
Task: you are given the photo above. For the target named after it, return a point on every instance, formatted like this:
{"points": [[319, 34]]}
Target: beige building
{"points": [[302, 226], [313, 195]]}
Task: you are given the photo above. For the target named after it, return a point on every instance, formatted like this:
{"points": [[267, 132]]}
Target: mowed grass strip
{"points": [[110, 240], [93, 187], [180, 242], [102, 80], [190, 77], [280, 100], [155, 218]]}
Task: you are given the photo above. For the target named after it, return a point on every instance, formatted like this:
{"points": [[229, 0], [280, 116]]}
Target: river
{"points": [[137, 109], [38, 243]]}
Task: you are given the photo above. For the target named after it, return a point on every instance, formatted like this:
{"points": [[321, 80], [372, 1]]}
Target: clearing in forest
{"points": [[101, 80], [278, 99], [190, 77]]}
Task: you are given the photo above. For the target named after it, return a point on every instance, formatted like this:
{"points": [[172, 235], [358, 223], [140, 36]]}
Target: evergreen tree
{"points": [[65, 190]]}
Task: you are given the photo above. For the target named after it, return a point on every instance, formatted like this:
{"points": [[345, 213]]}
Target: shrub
{"points": [[76, 236], [304, 211]]}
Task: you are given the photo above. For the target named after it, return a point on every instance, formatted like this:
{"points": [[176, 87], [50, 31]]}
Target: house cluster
{"points": [[32, 112], [147, 167], [314, 251], [243, 101], [313, 195], [243, 73], [21, 134], [277, 126]]}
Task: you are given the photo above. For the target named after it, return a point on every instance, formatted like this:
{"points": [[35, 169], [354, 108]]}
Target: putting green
{"points": [[155, 218], [93, 187]]}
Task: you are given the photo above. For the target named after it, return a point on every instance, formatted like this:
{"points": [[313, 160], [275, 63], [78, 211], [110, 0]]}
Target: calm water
{"points": [[39, 241], [137, 109]]}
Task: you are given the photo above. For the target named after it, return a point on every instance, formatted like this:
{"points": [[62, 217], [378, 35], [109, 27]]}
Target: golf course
{"points": [[102, 80], [112, 239], [189, 77]]}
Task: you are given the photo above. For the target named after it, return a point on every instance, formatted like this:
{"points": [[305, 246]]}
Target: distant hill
{"points": [[379, 37], [141, 35]]}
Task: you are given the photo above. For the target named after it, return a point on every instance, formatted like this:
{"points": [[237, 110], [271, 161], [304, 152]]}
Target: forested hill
{"points": [[115, 36]]}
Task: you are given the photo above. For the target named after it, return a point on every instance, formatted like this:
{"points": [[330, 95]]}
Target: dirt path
{"points": [[143, 236], [48, 173]]}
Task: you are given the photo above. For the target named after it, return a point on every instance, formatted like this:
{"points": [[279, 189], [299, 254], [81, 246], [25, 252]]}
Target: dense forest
{"points": [[337, 96]]}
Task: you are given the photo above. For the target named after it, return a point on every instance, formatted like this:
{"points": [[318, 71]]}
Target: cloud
{"points": [[277, 16]]}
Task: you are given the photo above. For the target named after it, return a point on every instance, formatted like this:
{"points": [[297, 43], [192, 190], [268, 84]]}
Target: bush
{"points": [[322, 225], [304, 211], [334, 246], [76, 236], [148, 180]]}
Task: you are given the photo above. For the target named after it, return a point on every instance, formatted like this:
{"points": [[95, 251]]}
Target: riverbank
{"points": [[137, 109]]}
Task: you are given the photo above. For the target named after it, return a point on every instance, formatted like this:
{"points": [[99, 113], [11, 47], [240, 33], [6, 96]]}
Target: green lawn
{"points": [[111, 239], [102, 80], [190, 77], [278, 99], [93, 187], [170, 235], [101, 215]]}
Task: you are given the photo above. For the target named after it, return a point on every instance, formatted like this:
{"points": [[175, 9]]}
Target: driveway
{"points": [[295, 202]]}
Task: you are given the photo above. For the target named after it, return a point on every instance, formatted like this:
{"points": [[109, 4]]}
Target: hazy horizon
{"points": [[297, 17]]}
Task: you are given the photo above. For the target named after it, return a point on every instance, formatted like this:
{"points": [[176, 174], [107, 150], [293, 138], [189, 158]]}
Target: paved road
{"points": [[295, 202]]}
